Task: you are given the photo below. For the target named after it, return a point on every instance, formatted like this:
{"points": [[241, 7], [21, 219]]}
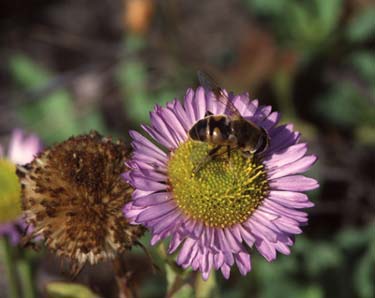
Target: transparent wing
{"points": [[209, 83]]}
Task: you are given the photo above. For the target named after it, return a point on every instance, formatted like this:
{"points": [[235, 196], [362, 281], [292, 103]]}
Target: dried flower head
{"points": [[73, 195], [21, 150], [234, 202]]}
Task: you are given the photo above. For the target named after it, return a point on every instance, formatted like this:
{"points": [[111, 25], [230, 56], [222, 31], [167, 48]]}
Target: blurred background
{"points": [[70, 66]]}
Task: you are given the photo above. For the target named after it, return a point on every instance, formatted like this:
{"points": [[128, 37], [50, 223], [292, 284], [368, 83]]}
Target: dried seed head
{"points": [[73, 195]]}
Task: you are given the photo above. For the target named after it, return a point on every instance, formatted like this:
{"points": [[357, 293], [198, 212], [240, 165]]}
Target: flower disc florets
{"points": [[73, 195], [231, 204], [224, 192]]}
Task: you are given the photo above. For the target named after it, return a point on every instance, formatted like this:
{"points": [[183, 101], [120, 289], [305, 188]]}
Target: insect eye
{"points": [[263, 142]]}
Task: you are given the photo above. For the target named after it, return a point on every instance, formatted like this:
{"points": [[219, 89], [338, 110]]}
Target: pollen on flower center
{"points": [[10, 192], [225, 192]]}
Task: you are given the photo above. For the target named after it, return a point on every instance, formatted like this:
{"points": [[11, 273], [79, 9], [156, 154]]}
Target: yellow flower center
{"points": [[224, 192], [10, 192]]}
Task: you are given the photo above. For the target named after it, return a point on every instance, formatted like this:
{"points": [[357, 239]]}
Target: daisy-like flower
{"points": [[232, 203], [73, 195], [21, 150]]}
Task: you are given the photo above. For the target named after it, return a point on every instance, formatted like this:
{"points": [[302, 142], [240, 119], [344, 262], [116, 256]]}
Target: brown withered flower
{"points": [[73, 195]]}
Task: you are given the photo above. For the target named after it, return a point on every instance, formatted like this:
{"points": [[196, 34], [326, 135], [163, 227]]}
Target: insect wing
{"points": [[209, 83]]}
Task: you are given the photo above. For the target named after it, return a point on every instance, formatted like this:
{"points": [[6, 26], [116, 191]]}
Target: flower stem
{"points": [[25, 272], [9, 266], [179, 281], [208, 288], [122, 278]]}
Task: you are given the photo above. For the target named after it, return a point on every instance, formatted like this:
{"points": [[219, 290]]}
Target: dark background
{"points": [[70, 66]]}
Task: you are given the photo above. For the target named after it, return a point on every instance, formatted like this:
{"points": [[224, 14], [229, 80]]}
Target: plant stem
{"points": [[122, 278], [208, 288], [9, 266], [25, 272]]}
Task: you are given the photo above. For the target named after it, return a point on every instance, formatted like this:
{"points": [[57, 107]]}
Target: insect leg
{"points": [[208, 158], [228, 151], [246, 154]]}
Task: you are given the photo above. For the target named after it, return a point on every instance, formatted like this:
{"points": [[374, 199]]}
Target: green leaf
{"points": [[53, 116], [300, 23], [344, 106], [328, 13], [350, 239], [68, 290], [365, 134], [27, 73], [364, 275], [267, 7], [362, 27], [325, 256], [132, 77], [364, 62], [93, 120], [313, 291]]}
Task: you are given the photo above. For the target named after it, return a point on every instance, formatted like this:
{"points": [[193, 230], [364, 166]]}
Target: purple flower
{"points": [[21, 150], [234, 202]]}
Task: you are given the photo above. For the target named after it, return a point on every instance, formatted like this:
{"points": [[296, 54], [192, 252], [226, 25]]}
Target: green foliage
{"points": [[348, 101], [68, 290], [267, 7], [362, 26], [305, 26], [342, 106], [133, 79], [364, 275], [314, 266], [51, 114], [364, 63]]}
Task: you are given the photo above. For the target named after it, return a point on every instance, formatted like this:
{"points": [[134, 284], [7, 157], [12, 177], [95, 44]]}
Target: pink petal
{"points": [[297, 167], [294, 183]]}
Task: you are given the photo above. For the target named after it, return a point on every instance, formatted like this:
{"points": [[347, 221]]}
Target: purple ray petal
{"points": [[131, 212], [159, 137], [225, 270], [174, 124], [141, 182], [180, 113], [260, 231], [156, 211], [173, 218], [187, 251], [175, 242], [297, 167], [153, 199], [188, 106], [266, 249], [294, 183], [243, 262], [290, 199], [199, 103], [286, 156], [159, 127]]}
